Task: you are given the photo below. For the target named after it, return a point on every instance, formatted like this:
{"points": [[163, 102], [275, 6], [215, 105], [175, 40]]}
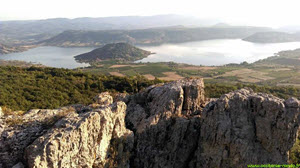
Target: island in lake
{"points": [[115, 51]]}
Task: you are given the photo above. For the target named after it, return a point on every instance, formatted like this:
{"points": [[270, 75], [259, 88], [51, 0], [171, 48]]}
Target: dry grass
{"points": [[149, 76], [117, 74], [120, 66], [198, 68], [248, 75], [171, 76], [289, 84], [7, 111], [281, 69]]}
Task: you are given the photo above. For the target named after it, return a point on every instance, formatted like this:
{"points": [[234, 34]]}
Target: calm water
{"points": [[50, 56], [215, 52], [210, 52]]}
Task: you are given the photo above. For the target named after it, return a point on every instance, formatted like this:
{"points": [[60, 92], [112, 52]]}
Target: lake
{"points": [[50, 56], [215, 52], [209, 52]]}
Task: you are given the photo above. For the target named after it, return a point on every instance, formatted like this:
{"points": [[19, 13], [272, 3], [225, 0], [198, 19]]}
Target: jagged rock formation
{"points": [[159, 117], [167, 125], [240, 128], [84, 140], [244, 127], [17, 132]]}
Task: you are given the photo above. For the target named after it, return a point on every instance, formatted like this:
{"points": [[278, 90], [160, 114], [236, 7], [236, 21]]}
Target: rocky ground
{"points": [[167, 125]]}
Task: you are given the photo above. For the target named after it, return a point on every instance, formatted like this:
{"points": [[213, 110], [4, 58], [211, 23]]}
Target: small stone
{"points": [[104, 99], [18, 165]]}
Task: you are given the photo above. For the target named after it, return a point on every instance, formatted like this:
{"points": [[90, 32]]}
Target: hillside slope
{"points": [[115, 51], [4, 49], [272, 37], [148, 36], [166, 125]]}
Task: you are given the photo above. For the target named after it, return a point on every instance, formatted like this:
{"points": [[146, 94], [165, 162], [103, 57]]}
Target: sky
{"points": [[272, 13]]}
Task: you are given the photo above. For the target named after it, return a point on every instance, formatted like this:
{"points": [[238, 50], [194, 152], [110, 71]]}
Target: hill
{"points": [[36, 30], [272, 37], [115, 51], [286, 58], [72, 38], [4, 49]]}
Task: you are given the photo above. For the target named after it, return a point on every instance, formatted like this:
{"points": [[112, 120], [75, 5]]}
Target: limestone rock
{"points": [[169, 125], [84, 140], [244, 127], [1, 112], [104, 99], [166, 125], [17, 132], [179, 98]]}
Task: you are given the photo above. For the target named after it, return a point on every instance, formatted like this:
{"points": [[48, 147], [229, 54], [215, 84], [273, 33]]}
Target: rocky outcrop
{"points": [[85, 139], [17, 132], [240, 128], [244, 127], [167, 125], [161, 119]]}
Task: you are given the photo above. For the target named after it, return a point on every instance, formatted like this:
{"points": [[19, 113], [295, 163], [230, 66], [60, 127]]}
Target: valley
{"points": [[139, 91]]}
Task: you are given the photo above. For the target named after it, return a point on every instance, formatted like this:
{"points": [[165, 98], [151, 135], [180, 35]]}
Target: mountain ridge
{"points": [[74, 38]]}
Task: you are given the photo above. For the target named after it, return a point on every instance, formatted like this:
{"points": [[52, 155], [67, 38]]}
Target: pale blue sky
{"points": [[252, 12]]}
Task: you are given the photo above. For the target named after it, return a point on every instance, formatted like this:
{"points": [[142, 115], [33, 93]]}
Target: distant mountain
{"points": [[221, 25], [37, 30], [272, 37], [115, 51], [74, 38]]}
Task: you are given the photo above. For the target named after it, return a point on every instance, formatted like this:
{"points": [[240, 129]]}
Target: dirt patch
{"points": [[282, 69], [289, 84], [124, 65], [171, 76], [198, 68], [149, 76], [116, 74], [248, 75]]}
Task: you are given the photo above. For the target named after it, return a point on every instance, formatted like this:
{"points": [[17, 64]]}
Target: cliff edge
{"points": [[166, 125]]}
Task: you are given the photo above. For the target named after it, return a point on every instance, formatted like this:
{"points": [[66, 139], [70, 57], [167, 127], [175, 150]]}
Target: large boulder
{"points": [[166, 122]]}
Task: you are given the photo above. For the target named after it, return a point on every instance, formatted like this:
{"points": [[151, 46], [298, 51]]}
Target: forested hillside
{"points": [[149, 36], [34, 87], [29, 88]]}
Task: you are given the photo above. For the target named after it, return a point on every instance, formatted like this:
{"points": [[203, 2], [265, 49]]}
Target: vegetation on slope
{"points": [[4, 49], [35, 87], [114, 51], [272, 37], [287, 58], [148, 36]]}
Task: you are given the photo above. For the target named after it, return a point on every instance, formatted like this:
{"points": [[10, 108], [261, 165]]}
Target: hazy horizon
{"points": [[248, 12]]}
